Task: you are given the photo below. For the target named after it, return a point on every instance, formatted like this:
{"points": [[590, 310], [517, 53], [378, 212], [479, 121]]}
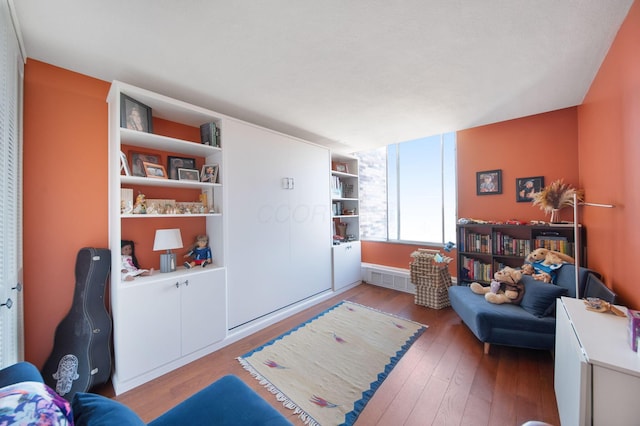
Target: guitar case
{"points": [[81, 355]]}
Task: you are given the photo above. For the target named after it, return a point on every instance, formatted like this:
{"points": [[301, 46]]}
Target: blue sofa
{"points": [[531, 324], [227, 401]]}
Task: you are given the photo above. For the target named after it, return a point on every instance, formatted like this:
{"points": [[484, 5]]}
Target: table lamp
{"points": [[167, 239]]}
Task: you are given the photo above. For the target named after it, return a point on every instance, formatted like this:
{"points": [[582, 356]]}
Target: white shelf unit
{"points": [[345, 209], [150, 333]]}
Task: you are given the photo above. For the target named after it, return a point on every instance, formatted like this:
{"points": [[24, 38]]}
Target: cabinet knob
{"points": [[186, 282], [8, 303], [177, 284], [18, 287]]}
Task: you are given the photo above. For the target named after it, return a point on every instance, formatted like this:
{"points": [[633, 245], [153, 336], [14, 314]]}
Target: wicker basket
{"points": [[431, 278]]}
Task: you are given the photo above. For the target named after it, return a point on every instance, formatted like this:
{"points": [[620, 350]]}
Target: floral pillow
{"points": [[33, 403]]}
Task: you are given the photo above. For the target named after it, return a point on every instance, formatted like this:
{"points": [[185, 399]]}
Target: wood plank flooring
{"points": [[444, 379]]}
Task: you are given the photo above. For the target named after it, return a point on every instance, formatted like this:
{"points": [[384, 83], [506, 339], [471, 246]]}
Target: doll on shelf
{"points": [[129, 267], [200, 253]]}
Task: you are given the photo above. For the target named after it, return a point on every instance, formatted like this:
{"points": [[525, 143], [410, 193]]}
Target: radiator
{"points": [[389, 277]]}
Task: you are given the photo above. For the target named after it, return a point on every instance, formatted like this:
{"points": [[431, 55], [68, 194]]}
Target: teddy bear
{"points": [[505, 287]]}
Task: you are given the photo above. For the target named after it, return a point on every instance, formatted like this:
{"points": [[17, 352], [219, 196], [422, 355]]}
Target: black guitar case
{"points": [[81, 355]]}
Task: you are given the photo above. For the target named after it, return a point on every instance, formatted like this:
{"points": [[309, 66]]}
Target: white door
{"points": [[11, 74]]}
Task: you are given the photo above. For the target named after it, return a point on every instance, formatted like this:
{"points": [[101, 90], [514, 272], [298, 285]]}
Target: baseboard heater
{"points": [[389, 277]]}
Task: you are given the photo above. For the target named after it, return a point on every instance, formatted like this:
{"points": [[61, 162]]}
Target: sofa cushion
{"points": [[226, 402], [540, 297], [90, 409], [33, 403]]}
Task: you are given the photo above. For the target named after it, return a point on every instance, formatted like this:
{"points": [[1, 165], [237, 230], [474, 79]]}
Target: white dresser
{"points": [[597, 375]]}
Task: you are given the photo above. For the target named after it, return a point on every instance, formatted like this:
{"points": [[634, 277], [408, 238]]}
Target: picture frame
{"points": [[124, 164], [489, 182], [209, 173], [188, 174], [154, 170], [135, 115], [527, 187], [341, 167], [175, 163], [137, 162]]}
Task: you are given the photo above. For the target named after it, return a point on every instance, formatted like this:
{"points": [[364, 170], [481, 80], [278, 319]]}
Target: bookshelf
{"points": [[484, 249]]}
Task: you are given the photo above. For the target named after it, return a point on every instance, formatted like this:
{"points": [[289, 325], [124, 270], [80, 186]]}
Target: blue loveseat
{"points": [[531, 324], [227, 401]]}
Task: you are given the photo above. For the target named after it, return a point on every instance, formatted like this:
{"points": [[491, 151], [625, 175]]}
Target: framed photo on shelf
{"points": [[137, 162], [124, 164], [209, 173], [489, 182], [154, 170], [188, 174], [175, 163], [341, 167], [527, 187], [135, 115]]}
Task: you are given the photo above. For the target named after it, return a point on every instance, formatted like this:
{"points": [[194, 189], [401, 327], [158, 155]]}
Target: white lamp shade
{"points": [[167, 239]]}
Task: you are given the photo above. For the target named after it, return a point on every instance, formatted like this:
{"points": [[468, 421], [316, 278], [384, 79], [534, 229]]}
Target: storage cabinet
{"points": [[596, 374], [277, 214], [158, 325], [345, 210], [484, 249]]}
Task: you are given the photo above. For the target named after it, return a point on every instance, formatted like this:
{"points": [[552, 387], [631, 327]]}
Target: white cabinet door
{"points": [[278, 247], [346, 264], [204, 315], [149, 327]]}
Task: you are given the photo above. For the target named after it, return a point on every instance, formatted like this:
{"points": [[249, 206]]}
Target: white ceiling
{"points": [[348, 74]]}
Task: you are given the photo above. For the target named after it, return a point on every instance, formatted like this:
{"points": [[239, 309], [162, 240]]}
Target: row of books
{"points": [[561, 245], [210, 134], [480, 243], [336, 187], [507, 245], [476, 270]]}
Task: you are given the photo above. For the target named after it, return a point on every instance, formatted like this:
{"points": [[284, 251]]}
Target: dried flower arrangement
{"points": [[556, 196]]}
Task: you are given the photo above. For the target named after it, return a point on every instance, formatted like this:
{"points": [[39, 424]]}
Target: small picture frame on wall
{"points": [[527, 187], [135, 115], [489, 182]]}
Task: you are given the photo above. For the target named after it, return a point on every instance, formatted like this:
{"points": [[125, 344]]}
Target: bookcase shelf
{"points": [[484, 249]]}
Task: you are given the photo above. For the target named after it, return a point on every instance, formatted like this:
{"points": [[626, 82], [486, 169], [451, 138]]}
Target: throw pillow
{"points": [[90, 409], [540, 298], [30, 403]]}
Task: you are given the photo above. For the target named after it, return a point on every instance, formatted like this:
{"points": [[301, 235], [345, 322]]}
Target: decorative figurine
{"points": [[140, 207], [200, 253], [130, 268]]}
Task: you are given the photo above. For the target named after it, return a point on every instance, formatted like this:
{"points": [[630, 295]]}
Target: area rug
{"points": [[328, 368]]}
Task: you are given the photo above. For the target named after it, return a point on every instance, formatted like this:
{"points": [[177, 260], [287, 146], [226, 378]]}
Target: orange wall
{"points": [[609, 135], [66, 193], [540, 145]]}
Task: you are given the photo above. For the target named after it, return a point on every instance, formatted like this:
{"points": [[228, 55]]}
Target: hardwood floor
{"points": [[444, 378]]}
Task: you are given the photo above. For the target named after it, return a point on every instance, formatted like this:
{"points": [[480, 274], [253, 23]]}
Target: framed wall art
{"points": [[489, 182], [188, 174], [135, 115], [137, 162], [209, 173], [175, 163], [154, 170], [527, 187]]}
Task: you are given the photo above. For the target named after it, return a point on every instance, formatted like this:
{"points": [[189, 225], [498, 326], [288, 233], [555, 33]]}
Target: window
{"points": [[408, 191]]}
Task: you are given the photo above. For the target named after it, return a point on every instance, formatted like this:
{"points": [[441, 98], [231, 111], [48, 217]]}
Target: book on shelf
{"points": [[210, 134]]}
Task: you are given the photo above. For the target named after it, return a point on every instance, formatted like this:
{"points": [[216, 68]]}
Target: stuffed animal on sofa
{"points": [[545, 261], [528, 269], [505, 287], [549, 257]]}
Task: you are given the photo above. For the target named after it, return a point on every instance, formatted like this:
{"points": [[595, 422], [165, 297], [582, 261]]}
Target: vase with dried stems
{"points": [[556, 196]]}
